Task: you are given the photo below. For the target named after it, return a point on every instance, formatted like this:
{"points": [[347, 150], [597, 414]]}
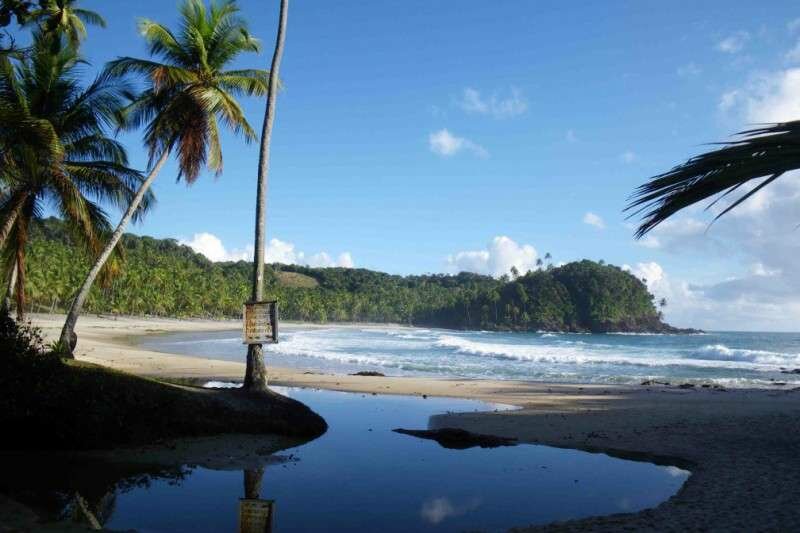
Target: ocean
{"points": [[731, 359]]}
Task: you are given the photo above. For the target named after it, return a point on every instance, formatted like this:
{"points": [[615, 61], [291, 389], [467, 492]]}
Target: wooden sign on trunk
{"points": [[260, 322]]}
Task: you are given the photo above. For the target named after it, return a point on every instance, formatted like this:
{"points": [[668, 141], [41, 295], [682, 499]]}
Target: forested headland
{"points": [[164, 278]]}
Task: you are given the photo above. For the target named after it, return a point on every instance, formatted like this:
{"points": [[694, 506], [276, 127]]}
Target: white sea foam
{"points": [[721, 352], [591, 355], [728, 359]]}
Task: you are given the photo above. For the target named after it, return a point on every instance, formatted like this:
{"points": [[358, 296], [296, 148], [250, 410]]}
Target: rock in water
{"points": [[458, 439]]}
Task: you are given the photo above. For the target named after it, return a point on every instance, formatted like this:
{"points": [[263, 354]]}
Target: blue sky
{"points": [[421, 136]]}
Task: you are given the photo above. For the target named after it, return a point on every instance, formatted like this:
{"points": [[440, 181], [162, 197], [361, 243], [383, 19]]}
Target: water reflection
{"points": [[255, 515], [437, 510], [360, 476]]}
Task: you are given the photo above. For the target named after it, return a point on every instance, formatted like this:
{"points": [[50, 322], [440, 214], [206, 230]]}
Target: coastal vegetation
{"points": [[161, 277], [190, 91], [59, 152], [76, 168]]}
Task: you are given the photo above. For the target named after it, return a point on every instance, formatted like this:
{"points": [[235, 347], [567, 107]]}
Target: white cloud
{"points": [[277, 251], [733, 43], [446, 144], [571, 137], [774, 97], [689, 70], [594, 220], [211, 246], [497, 259], [728, 100], [496, 106], [628, 157], [763, 293]]}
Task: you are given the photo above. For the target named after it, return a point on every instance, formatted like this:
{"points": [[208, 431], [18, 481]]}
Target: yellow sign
{"points": [[255, 516], [260, 322]]}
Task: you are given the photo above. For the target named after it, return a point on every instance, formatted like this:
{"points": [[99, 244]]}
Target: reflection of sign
{"points": [[255, 516], [260, 322]]}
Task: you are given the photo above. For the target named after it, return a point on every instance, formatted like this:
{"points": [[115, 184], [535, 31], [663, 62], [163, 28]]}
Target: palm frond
{"points": [[765, 152]]}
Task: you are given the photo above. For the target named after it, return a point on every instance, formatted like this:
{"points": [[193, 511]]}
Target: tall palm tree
{"points": [[764, 153], [255, 377], [62, 16], [188, 93], [68, 161]]}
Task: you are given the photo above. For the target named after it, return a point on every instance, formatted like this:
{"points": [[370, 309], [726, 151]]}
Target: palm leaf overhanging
{"points": [[764, 153]]}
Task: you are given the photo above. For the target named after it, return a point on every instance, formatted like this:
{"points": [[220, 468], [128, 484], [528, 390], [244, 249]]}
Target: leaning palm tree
{"points": [[764, 153], [187, 95], [255, 377], [66, 160], [62, 16]]}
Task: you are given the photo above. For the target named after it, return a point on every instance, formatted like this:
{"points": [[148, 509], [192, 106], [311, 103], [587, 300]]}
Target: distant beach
{"points": [[733, 438]]}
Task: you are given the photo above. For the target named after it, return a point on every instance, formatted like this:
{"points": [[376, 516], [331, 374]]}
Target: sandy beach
{"points": [[742, 446]]}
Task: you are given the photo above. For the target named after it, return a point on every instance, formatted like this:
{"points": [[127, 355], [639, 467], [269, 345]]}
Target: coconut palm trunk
{"points": [[255, 378], [68, 338], [8, 225], [12, 283]]}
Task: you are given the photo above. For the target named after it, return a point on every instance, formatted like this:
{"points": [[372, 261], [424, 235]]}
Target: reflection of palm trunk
{"points": [[86, 513], [252, 483], [255, 515]]}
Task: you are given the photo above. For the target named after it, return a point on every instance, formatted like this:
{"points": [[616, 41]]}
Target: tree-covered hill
{"points": [[162, 277]]}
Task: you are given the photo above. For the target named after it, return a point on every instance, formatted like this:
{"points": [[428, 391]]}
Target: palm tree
{"points": [[61, 16], [64, 158], [187, 95], [255, 378], [764, 153]]}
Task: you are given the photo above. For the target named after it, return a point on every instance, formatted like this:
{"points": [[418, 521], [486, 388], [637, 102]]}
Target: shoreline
{"points": [[742, 443]]}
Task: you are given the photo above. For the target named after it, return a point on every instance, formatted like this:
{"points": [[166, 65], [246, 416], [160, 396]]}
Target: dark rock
{"points": [[458, 439], [686, 386], [369, 373], [795, 371]]}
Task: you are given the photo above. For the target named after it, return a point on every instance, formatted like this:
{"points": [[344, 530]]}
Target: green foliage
{"points": [[57, 149], [18, 340], [22, 347], [190, 90], [163, 278]]}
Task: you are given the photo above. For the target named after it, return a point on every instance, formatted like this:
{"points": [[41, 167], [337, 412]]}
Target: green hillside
{"points": [[161, 277]]}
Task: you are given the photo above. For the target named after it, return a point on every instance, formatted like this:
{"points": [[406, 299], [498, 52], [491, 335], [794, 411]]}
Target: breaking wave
{"points": [[729, 358]]}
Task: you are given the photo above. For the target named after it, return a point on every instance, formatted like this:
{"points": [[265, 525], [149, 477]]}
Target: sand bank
{"points": [[743, 445]]}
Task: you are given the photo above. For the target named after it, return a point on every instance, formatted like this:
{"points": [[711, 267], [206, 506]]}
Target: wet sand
{"points": [[743, 446]]}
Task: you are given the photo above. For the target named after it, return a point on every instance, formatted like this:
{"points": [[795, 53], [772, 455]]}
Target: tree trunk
{"points": [[255, 377], [20, 264], [9, 223], [12, 283], [68, 338]]}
